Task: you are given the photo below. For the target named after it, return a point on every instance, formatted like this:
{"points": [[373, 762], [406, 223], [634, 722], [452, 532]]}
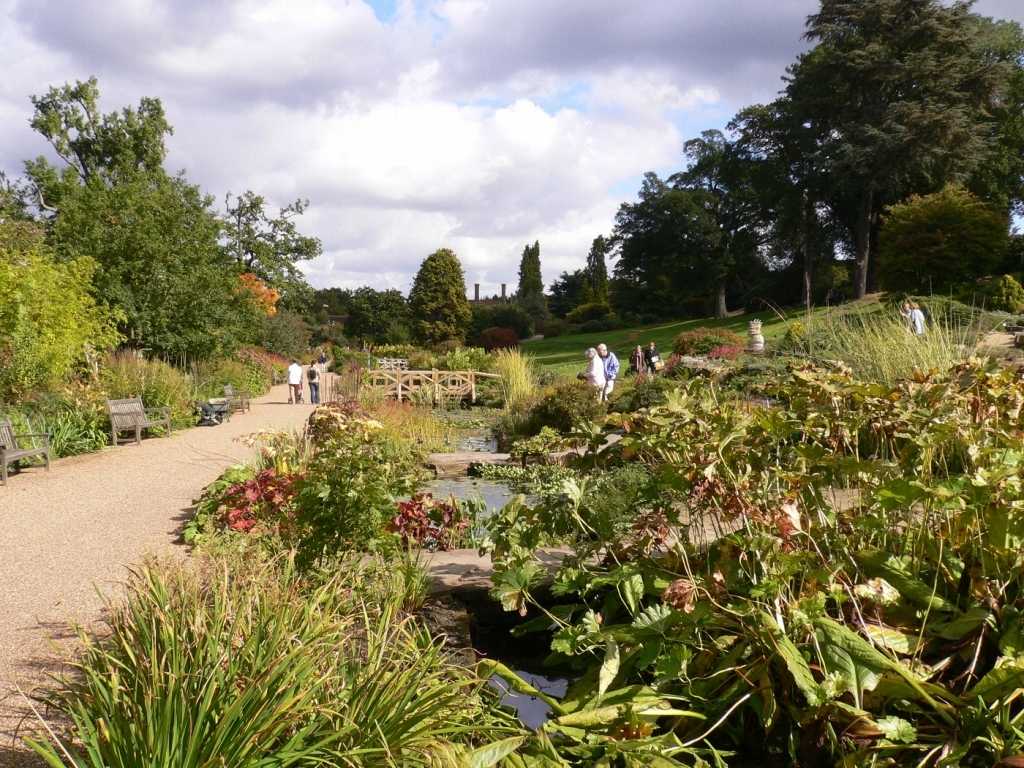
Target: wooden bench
{"points": [[11, 452], [131, 415], [237, 401]]}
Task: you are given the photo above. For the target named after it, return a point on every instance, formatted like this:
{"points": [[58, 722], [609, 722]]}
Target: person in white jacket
{"points": [[594, 375]]}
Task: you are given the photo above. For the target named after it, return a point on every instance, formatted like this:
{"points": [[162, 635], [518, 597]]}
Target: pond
{"points": [[478, 442], [494, 494]]}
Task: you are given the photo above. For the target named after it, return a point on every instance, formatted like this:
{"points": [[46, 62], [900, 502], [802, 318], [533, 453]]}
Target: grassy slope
{"points": [[565, 353]]}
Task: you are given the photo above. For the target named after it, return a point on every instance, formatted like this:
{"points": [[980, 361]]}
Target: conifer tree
{"points": [[530, 295]]}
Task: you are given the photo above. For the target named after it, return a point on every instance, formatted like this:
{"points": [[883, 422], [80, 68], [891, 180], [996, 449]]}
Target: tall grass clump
{"points": [[416, 424], [246, 665], [518, 379], [879, 347], [159, 384]]}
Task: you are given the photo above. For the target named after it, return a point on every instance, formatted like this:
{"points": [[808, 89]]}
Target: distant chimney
{"points": [[503, 291], [476, 291]]}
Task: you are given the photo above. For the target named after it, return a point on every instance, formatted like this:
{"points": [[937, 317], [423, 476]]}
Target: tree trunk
{"points": [[809, 251], [862, 243], [721, 309]]}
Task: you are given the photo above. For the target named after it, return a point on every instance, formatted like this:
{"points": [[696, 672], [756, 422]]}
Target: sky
{"points": [[410, 125]]}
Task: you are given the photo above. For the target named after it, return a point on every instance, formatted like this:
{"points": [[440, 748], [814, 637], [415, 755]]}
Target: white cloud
{"points": [[479, 125]]}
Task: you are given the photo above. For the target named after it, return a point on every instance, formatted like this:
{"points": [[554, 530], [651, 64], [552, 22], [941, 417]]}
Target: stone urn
{"points": [[756, 339]]}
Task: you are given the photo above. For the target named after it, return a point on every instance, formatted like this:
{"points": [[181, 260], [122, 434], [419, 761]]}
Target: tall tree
{"points": [[378, 317], [437, 302], [93, 146], [896, 94], [530, 294], [567, 292], [666, 241], [597, 271], [721, 171], [270, 247]]}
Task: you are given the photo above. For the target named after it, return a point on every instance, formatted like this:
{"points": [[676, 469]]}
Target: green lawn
{"points": [[565, 353]]}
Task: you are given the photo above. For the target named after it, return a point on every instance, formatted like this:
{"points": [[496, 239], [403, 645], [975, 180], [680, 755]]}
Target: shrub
{"points": [[933, 242], [437, 301], [211, 376], [554, 327], [466, 359], [504, 315], [595, 311], [348, 493], [647, 391], [700, 341], [264, 500], [286, 334], [49, 321], [564, 406], [997, 294], [75, 424], [126, 374], [499, 338], [431, 523], [725, 352], [273, 365]]}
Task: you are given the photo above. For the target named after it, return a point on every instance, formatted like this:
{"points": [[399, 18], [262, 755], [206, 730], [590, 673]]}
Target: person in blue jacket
{"points": [[611, 369]]}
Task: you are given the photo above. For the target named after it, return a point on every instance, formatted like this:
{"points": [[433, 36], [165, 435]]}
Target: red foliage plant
{"points": [[725, 352], [498, 338], [265, 498], [429, 523]]}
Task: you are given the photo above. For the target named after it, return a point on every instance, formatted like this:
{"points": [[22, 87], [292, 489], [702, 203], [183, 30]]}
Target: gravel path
{"points": [[67, 536]]}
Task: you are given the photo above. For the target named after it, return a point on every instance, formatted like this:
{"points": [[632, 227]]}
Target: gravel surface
{"points": [[68, 535]]}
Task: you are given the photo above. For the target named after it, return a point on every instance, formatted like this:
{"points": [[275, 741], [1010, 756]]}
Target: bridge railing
{"points": [[441, 385]]}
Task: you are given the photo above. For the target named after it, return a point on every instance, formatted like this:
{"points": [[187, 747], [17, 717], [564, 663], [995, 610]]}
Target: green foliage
{"points": [[350, 487], [246, 664], [245, 375], [501, 315], [466, 359], [646, 391], [700, 341], [269, 248], [933, 242], [595, 290], [530, 293], [287, 334], [126, 374], [49, 323], [377, 317], [592, 312], [997, 294], [76, 423], [564, 407], [831, 565], [154, 241], [437, 301]]}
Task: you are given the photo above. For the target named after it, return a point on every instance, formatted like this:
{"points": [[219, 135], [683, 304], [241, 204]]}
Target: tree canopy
{"points": [[530, 293], [437, 301]]}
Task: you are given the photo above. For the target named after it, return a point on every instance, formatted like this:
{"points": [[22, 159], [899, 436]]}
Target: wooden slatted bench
{"points": [[11, 451], [130, 415], [237, 401]]}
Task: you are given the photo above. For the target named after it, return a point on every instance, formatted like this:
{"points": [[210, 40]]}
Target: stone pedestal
{"points": [[756, 344]]}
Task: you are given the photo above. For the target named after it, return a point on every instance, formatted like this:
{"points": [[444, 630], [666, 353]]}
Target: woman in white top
{"points": [[595, 371]]}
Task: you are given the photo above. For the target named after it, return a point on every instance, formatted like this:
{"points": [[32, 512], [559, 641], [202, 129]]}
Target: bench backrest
{"points": [[126, 413], [7, 438]]}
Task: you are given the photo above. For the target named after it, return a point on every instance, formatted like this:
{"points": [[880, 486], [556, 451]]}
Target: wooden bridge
{"points": [[438, 385]]}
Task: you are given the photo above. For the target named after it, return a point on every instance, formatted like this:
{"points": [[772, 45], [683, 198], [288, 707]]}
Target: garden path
{"points": [[67, 536]]}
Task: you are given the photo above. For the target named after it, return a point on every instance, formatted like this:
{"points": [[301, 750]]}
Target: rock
{"points": [[460, 463]]}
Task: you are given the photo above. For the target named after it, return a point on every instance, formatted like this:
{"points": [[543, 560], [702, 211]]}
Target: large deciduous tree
{"points": [[378, 317], [270, 247], [437, 302], [896, 93]]}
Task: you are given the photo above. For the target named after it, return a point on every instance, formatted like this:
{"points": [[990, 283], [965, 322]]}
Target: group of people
{"points": [[914, 316], [312, 374], [603, 366]]}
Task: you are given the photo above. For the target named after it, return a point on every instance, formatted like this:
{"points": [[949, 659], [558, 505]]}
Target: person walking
{"points": [[917, 321], [611, 369], [295, 382], [314, 385], [594, 374], [652, 359], [637, 361]]}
